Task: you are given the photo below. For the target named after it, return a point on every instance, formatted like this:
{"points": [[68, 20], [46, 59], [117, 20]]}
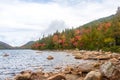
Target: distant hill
{"points": [[27, 45], [5, 45]]}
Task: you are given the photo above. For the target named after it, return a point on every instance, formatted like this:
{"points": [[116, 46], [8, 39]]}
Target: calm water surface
{"points": [[19, 60]]}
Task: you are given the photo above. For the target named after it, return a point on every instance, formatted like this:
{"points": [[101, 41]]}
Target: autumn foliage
{"points": [[90, 38]]}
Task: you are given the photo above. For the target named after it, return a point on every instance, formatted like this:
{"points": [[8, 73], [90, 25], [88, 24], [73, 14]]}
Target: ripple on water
{"points": [[19, 60]]}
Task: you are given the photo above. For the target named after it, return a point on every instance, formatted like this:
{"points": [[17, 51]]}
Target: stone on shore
{"points": [[50, 57], [86, 67], [107, 63], [71, 77], [57, 77], [25, 76], [111, 71], [93, 75], [78, 56], [95, 55], [29, 75], [5, 55]]}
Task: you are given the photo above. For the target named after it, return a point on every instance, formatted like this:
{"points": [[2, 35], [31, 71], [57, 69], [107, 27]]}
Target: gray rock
{"points": [[107, 69], [111, 71]]}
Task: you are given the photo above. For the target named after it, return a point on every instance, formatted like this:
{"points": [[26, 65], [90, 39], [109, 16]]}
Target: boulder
{"points": [[93, 75], [28, 75], [107, 69], [119, 58], [78, 56], [100, 57], [80, 78], [5, 55], [50, 57], [68, 70], [86, 67], [58, 67], [71, 77], [57, 77], [25, 76], [37, 76], [110, 70], [115, 55]]}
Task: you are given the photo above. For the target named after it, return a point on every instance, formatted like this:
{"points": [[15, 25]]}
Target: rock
{"points": [[50, 57], [115, 55], [78, 56], [111, 71], [93, 75], [71, 77], [58, 67], [107, 69], [37, 76], [114, 60], [46, 75], [86, 57], [108, 53], [5, 55], [57, 77], [29, 75], [26, 72], [100, 57], [75, 72], [119, 58], [72, 70], [82, 68], [93, 55], [96, 65], [86, 67], [68, 70], [39, 52], [80, 78], [25, 76]]}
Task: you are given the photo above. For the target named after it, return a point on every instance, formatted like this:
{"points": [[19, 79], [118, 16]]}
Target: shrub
{"points": [[112, 49]]}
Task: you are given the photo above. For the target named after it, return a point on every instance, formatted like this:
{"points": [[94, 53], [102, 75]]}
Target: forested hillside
{"points": [[102, 34], [27, 45], [5, 46]]}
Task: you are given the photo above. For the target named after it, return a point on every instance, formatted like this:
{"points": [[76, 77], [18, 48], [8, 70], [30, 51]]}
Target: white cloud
{"points": [[21, 21]]}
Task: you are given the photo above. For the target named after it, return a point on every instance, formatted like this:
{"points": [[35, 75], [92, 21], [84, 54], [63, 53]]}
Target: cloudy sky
{"points": [[25, 20]]}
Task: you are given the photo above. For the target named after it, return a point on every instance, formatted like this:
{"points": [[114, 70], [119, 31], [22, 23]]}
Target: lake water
{"points": [[19, 60]]}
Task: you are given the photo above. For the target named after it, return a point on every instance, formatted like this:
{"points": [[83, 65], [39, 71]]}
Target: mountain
{"points": [[27, 45], [5, 45]]}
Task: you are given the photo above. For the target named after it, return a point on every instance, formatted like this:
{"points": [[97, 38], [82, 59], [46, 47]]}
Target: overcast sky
{"points": [[25, 20]]}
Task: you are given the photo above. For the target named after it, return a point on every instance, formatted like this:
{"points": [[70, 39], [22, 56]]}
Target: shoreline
{"points": [[81, 72]]}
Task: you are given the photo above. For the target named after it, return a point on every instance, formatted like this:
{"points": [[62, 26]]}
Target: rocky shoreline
{"points": [[105, 66]]}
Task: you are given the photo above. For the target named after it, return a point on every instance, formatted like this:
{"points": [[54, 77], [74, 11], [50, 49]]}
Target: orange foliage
{"points": [[78, 37], [107, 25], [55, 38], [77, 32], [104, 26], [36, 45]]}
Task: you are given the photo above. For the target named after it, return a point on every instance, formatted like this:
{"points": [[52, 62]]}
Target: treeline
{"points": [[102, 34]]}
